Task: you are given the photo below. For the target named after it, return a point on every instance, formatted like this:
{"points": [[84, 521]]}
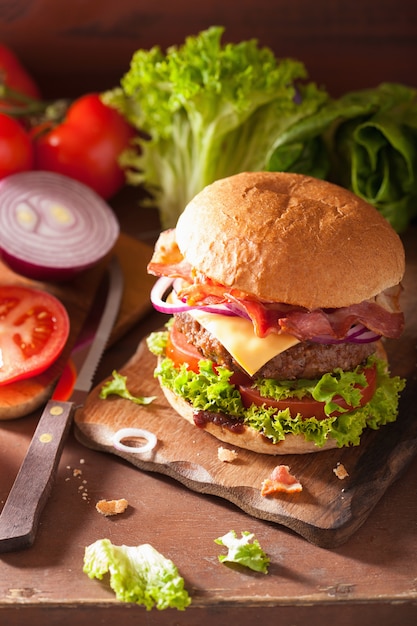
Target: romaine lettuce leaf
{"points": [[138, 574], [365, 141], [375, 152]]}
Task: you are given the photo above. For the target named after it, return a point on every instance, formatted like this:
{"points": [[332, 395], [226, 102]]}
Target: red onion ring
{"points": [[356, 334], [164, 285]]}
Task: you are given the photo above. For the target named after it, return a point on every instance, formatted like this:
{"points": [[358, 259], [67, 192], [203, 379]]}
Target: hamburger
{"points": [[280, 290]]}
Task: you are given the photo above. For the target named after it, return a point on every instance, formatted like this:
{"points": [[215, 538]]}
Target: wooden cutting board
{"points": [[328, 510], [20, 398]]}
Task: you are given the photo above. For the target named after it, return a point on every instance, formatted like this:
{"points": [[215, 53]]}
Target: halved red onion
{"points": [[52, 227]]}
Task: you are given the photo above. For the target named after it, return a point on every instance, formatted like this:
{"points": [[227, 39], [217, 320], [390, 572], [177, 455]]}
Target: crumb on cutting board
{"points": [[226, 455]]}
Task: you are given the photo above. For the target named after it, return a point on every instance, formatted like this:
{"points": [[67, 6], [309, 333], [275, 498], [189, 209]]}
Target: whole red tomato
{"points": [[16, 150], [15, 76], [86, 145]]}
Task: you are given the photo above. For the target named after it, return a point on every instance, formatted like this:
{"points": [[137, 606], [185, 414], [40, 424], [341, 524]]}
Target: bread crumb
{"points": [[76, 472], [112, 507], [340, 471], [226, 455]]}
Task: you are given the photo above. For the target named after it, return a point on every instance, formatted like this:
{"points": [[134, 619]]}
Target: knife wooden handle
{"points": [[31, 488]]}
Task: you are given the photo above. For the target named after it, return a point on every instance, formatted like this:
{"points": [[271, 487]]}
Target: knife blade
{"points": [[21, 512]]}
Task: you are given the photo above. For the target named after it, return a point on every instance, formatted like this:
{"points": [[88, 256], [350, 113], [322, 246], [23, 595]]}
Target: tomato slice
{"points": [[180, 351], [308, 407], [34, 327]]}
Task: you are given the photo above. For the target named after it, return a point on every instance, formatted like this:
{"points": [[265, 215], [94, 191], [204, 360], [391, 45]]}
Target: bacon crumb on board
{"points": [[112, 507], [226, 455], [280, 481]]}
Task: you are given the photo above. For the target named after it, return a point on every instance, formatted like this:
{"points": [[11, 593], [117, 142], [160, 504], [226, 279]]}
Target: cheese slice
{"points": [[237, 335]]}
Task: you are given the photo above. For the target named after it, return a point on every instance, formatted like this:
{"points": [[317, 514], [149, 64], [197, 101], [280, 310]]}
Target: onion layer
{"points": [[52, 227], [164, 285], [160, 290], [356, 334], [135, 434]]}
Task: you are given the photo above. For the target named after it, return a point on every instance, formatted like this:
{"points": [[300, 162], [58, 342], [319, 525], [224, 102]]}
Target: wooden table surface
{"points": [[370, 579]]}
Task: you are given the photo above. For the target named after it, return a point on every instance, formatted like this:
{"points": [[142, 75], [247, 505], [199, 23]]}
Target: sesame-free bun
{"points": [[290, 238]]}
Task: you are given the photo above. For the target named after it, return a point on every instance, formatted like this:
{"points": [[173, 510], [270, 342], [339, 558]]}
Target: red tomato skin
{"points": [[86, 146], [15, 75], [16, 149], [307, 407], [37, 325], [180, 351]]}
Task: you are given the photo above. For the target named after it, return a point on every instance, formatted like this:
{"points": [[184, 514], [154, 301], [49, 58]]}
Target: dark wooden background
{"points": [[81, 45]]}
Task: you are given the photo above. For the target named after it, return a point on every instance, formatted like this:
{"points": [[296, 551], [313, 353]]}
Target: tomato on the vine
{"points": [[86, 145], [14, 75], [34, 328], [16, 149]]}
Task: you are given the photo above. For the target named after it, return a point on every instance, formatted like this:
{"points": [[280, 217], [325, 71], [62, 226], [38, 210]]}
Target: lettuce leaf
{"points": [[210, 390], [245, 551], [138, 574], [206, 110], [118, 386], [365, 141], [375, 152]]}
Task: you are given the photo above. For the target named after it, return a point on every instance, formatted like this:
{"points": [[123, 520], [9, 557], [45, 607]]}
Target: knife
{"points": [[21, 512]]}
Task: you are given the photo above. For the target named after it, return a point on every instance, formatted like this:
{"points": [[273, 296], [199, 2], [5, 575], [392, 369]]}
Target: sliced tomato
{"points": [[66, 382], [180, 351], [34, 327], [308, 407]]}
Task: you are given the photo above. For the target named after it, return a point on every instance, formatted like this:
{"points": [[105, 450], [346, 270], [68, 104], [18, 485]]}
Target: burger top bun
{"points": [[290, 238]]}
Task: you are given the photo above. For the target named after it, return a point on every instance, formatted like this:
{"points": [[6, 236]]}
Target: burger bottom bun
{"points": [[251, 439], [248, 438]]}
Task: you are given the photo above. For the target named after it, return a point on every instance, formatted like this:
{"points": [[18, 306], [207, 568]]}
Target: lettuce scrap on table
{"points": [[207, 110], [245, 551], [138, 574]]}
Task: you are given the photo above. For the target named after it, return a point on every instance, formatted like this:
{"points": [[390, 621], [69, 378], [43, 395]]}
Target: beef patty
{"points": [[304, 360]]}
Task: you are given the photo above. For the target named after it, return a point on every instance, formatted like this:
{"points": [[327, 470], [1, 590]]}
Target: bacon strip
{"points": [[167, 259], [381, 315], [280, 481]]}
